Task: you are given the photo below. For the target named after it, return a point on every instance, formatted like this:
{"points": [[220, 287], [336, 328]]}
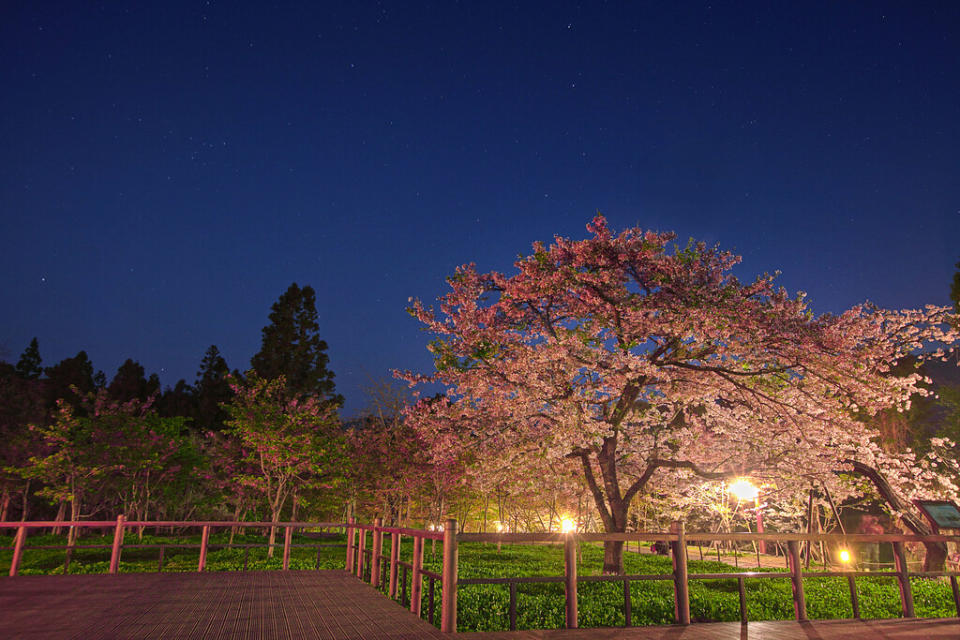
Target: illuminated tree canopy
{"points": [[634, 356]]}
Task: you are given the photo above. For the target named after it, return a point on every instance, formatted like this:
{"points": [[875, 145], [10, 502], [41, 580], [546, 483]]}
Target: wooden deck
{"points": [[328, 605], [819, 630], [181, 606]]}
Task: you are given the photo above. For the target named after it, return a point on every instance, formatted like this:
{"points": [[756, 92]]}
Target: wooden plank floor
{"points": [[818, 630], [328, 605], [235, 606]]}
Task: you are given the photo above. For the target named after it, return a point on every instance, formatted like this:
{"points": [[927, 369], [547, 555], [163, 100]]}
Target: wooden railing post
{"points": [[394, 559], [681, 587], [361, 545], [903, 580], [448, 608], [570, 579], [17, 550], [204, 541], [377, 552], [287, 538], [117, 544], [416, 583], [350, 531], [796, 580]]}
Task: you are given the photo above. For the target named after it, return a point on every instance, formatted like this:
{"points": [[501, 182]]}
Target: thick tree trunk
{"points": [[936, 554], [610, 502], [613, 557]]}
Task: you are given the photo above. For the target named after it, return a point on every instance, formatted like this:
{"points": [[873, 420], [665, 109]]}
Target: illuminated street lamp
{"points": [[845, 556], [568, 525], [744, 491]]}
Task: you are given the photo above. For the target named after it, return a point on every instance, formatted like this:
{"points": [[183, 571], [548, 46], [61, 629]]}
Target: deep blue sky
{"points": [[167, 171]]}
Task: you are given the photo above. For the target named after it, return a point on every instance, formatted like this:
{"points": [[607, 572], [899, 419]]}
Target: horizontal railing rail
{"points": [[101, 524], [120, 525], [678, 540], [366, 561]]}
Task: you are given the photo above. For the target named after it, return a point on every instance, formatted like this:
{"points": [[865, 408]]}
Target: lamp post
{"points": [[744, 490]]}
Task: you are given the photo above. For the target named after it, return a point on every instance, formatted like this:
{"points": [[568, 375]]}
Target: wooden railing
{"points": [[120, 525], [678, 540], [366, 563]]}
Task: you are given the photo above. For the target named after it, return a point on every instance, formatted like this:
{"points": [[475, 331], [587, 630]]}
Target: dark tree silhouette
{"points": [[130, 383], [70, 379], [292, 348], [955, 290], [212, 389], [28, 366]]}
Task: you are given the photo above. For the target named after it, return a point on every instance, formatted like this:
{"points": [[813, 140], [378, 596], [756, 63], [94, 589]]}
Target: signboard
{"points": [[942, 514]]}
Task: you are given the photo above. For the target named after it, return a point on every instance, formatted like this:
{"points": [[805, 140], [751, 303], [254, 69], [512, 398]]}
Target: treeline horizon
{"points": [[73, 444]]}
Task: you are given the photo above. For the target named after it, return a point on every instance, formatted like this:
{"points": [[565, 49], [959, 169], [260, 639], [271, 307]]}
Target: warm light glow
{"points": [[568, 525], [502, 528], [430, 527], [844, 556], [744, 490]]}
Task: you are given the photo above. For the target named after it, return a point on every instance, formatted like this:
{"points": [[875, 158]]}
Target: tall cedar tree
{"points": [[292, 348], [212, 390], [28, 367], [130, 383], [68, 378]]}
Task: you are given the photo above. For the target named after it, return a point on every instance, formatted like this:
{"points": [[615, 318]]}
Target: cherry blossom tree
{"points": [[389, 459], [289, 442], [70, 461], [116, 453], [635, 357]]}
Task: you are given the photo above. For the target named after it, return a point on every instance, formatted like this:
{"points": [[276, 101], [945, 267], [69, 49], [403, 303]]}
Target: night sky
{"points": [[167, 171]]}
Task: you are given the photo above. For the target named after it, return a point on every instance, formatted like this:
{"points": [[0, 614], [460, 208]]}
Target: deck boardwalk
{"points": [[181, 606], [328, 605], [939, 629]]}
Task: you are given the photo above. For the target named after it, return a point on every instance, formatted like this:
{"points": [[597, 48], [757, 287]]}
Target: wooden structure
{"points": [[367, 562], [321, 605], [120, 525], [330, 605]]}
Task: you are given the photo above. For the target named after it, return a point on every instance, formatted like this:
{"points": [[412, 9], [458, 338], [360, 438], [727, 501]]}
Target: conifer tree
{"points": [[28, 367], [69, 373], [292, 347], [212, 389], [130, 383]]}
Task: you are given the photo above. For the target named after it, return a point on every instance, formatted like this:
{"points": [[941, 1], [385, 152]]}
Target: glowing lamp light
{"points": [[845, 556], [568, 525], [744, 490]]}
